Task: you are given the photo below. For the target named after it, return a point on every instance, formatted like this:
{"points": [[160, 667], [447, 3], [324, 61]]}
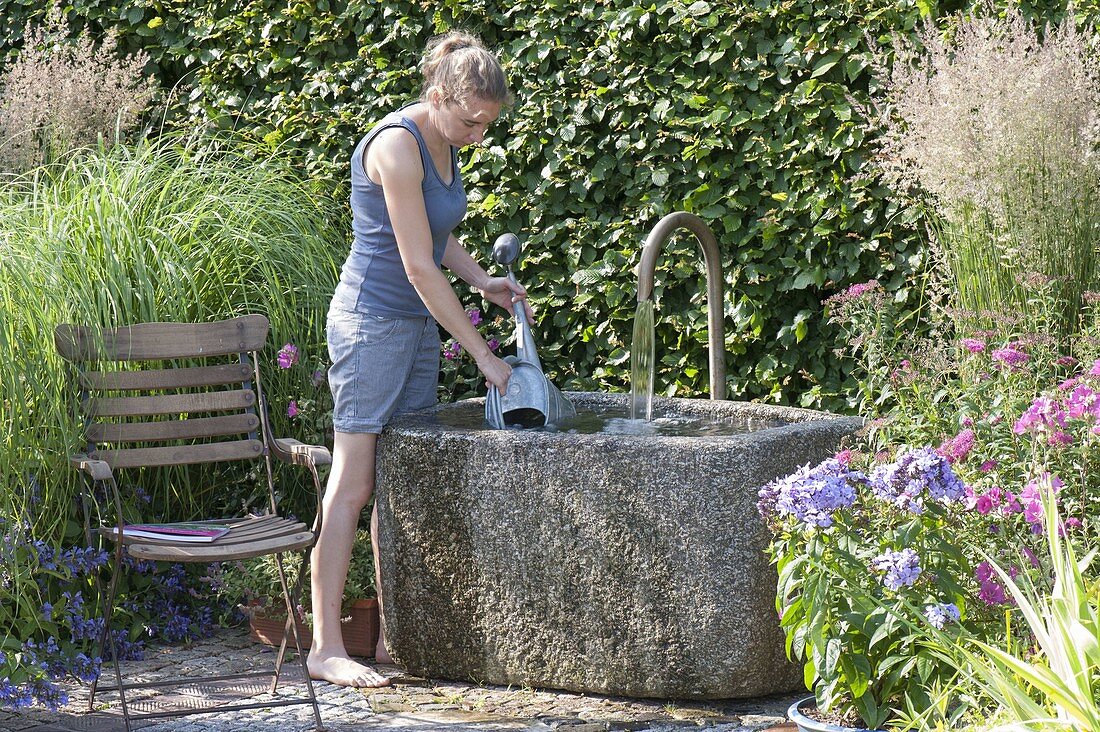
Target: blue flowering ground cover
{"points": [[163, 603]]}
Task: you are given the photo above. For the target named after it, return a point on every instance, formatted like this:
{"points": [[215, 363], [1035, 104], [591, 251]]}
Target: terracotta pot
{"points": [[807, 724], [360, 629]]}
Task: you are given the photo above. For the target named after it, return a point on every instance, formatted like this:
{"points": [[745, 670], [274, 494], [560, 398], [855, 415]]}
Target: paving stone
{"points": [[412, 703]]}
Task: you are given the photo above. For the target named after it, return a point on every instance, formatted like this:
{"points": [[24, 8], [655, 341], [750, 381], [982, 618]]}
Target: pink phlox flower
{"points": [[1044, 415], [493, 344], [1083, 402], [1031, 497], [969, 497], [988, 465], [986, 502], [990, 590], [475, 316], [1069, 384], [1066, 361], [845, 456], [287, 356], [1096, 429], [967, 422], [1070, 524], [292, 409], [1059, 439], [973, 345], [1011, 355], [1011, 504], [1095, 370]]}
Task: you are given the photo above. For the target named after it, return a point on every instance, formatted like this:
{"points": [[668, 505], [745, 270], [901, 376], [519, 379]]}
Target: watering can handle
{"points": [[525, 342]]}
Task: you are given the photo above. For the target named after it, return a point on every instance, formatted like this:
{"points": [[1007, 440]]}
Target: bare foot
{"points": [[343, 671]]}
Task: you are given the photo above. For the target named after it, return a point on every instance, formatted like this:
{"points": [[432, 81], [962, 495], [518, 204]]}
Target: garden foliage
{"points": [[736, 111], [896, 544], [998, 125], [158, 232]]}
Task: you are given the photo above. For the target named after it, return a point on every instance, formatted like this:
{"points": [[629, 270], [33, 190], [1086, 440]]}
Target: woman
{"points": [[407, 198]]}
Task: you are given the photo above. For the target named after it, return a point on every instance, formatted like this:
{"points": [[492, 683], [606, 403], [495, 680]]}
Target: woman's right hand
{"points": [[496, 372]]}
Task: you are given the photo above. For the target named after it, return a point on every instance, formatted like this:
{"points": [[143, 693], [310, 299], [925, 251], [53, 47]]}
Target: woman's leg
{"points": [[381, 653], [349, 489]]}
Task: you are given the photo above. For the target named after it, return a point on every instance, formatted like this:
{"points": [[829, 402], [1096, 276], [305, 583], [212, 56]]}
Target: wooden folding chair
{"points": [[200, 403]]}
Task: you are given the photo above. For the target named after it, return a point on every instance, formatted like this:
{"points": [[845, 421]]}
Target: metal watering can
{"points": [[531, 400]]}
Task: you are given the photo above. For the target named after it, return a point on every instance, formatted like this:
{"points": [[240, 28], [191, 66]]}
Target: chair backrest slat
{"points": [[181, 455], [158, 394], [156, 341], [181, 378], [144, 406], [176, 429]]}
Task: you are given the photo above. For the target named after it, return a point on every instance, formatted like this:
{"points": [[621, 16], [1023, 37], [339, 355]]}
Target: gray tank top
{"points": [[373, 278]]}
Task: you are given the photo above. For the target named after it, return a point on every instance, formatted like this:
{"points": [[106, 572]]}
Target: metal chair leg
{"points": [[292, 627], [107, 637]]}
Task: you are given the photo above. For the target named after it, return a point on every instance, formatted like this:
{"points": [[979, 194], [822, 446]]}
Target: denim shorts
{"points": [[381, 366]]}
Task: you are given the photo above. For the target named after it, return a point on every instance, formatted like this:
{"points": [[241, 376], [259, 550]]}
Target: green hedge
{"points": [[737, 111]]}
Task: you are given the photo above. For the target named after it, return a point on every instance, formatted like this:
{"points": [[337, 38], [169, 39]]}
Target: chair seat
{"points": [[251, 536]]}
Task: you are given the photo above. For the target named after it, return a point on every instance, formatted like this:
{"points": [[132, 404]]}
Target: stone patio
{"points": [[411, 703]]}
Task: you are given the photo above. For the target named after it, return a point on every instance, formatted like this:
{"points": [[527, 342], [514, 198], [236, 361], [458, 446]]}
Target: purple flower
{"points": [[451, 350], [474, 315], [990, 591], [1082, 403], [493, 344], [1066, 361], [288, 356], [292, 409], [1031, 498], [318, 377], [900, 568], [811, 495], [915, 473], [987, 466], [1044, 415], [1011, 355], [939, 613], [1095, 370], [958, 447], [973, 345]]}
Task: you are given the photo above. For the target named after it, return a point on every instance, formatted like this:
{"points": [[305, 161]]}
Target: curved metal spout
{"points": [[660, 234]]}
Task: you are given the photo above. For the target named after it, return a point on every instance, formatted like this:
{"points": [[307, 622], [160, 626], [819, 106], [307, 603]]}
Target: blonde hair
{"points": [[461, 68]]}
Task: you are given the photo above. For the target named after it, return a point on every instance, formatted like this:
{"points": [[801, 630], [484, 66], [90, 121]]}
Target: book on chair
{"points": [[183, 531]]}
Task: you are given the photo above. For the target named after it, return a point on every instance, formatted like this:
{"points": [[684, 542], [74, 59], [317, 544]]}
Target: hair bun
{"points": [[476, 73]]}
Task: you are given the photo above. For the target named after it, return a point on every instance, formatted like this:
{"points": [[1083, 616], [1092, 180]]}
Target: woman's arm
{"points": [[395, 157], [498, 290]]}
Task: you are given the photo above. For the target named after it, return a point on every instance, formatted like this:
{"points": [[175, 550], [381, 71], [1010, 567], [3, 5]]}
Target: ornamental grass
{"points": [[994, 124], [179, 229]]}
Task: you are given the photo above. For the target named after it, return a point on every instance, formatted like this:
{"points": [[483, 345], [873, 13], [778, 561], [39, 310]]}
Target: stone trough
{"points": [[617, 564]]}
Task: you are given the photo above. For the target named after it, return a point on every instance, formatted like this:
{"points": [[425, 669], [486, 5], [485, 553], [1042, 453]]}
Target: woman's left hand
{"points": [[503, 292]]}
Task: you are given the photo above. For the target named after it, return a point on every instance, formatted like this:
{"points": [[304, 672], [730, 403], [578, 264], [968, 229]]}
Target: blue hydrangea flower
{"points": [[939, 613], [900, 568], [915, 474], [811, 495]]}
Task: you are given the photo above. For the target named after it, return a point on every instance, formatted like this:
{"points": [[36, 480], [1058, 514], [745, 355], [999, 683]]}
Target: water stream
{"points": [[642, 350]]}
